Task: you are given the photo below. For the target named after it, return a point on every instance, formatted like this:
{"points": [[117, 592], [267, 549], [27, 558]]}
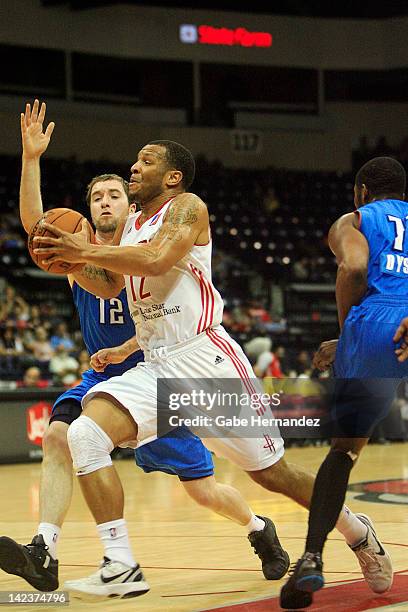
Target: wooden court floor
{"points": [[196, 561]]}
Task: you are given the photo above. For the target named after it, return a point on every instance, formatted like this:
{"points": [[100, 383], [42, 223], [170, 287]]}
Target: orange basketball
{"points": [[65, 219]]}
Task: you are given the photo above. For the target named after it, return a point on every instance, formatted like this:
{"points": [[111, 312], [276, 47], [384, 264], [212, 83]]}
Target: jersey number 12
{"points": [[115, 311]]}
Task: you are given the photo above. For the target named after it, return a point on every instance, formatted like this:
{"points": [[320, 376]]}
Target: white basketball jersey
{"points": [[177, 305]]}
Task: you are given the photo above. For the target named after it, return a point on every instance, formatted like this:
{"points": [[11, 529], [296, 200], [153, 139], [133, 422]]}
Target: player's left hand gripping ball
{"points": [[54, 249]]}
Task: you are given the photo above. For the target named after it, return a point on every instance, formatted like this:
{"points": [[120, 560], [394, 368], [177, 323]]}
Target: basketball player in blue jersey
{"points": [[105, 323], [371, 248]]}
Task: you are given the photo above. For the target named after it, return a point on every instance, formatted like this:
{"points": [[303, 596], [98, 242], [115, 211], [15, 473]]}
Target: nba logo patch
{"points": [[112, 532], [155, 219]]}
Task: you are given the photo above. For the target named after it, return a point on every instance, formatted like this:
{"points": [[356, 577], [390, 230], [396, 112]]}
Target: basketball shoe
{"points": [[305, 578], [374, 561], [112, 579], [275, 560], [32, 562]]}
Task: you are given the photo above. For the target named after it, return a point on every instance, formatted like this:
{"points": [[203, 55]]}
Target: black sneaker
{"points": [[32, 562], [275, 560], [306, 577]]}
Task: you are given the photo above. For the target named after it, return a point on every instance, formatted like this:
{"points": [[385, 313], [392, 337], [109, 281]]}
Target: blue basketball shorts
{"points": [[366, 368], [181, 453]]}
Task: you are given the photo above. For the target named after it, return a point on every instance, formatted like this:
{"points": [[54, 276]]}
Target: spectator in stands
{"points": [[256, 347], [10, 343], [281, 356], [303, 363], [258, 311], [268, 365], [50, 316], [271, 202], [36, 320], [11, 349], [83, 359], [300, 269], [12, 306], [241, 320], [21, 313], [259, 351], [42, 350], [62, 337], [9, 236], [63, 367], [32, 378]]}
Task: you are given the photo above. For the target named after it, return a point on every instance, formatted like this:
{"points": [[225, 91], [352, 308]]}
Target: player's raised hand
{"points": [[35, 141], [401, 335], [325, 355]]}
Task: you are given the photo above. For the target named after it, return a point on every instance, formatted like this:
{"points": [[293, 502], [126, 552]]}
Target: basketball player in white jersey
{"points": [[164, 260]]}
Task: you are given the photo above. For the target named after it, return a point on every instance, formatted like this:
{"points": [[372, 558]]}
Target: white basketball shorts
{"points": [[212, 354]]}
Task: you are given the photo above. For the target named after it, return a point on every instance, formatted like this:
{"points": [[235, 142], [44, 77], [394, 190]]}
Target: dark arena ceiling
{"points": [[373, 9]]}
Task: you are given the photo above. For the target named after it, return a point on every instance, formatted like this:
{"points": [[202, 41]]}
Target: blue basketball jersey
{"points": [[366, 350], [105, 323], [384, 225]]}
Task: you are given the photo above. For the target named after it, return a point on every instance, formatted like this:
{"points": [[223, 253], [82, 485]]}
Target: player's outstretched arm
{"points": [[186, 224], [351, 250], [96, 280], [401, 337], [92, 278], [34, 141], [116, 354]]}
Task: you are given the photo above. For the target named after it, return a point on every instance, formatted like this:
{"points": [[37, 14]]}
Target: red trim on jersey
{"points": [[208, 286], [138, 225], [207, 300], [230, 351], [195, 272], [237, 365], [260, 411], [133, 289]]}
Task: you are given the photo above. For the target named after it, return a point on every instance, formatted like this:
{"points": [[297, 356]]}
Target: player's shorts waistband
{"points": [[186, 346], [380, 298]]}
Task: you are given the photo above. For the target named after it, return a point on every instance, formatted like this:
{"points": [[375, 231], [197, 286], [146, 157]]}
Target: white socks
{"points": [[114, 537], [353, 530], [255, 524], [50, 533]]}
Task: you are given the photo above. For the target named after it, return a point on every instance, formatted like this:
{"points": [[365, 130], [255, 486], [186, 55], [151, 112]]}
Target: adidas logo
{"points": [[218, 359]]}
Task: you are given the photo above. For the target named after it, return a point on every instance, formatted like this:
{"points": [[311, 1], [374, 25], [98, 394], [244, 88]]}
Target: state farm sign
{"points": [[210, 35]]}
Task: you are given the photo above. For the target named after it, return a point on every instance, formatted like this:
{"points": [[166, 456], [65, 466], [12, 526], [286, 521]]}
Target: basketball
{"points": [[65, 219]]}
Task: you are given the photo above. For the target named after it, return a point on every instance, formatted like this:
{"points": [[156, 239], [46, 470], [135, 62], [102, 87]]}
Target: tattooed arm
{"points": [[186, 223], [98, 281]]}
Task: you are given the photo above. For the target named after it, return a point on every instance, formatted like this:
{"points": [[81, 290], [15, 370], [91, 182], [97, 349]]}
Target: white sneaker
{"points": [[374, 561], [113, 579]]}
